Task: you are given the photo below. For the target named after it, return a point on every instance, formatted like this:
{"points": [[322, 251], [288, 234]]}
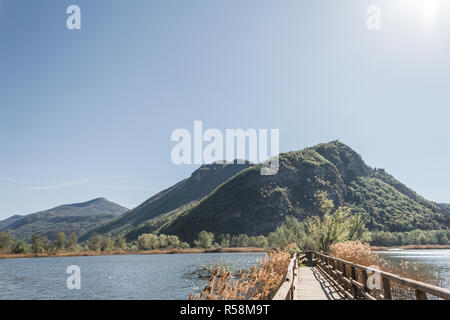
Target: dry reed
{"points": [[258, 283], [362, 254]]}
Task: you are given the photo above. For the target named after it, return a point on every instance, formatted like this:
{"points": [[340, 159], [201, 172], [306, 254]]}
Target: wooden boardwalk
{"points": [[312, 285], [331, 278]]}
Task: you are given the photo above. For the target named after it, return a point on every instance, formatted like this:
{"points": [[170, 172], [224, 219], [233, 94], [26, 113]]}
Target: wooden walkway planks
{"points": [[312, 285]]}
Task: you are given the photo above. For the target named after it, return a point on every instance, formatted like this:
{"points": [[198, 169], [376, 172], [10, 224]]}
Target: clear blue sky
{"points": [[89, 113]]}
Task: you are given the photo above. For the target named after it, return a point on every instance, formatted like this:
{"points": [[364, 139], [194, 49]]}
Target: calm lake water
{"points": [[113, 277], [435, 261], [150, 276]]}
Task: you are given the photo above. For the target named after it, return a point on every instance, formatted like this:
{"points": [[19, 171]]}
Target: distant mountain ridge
{"points": [[8, 221], [181, 195], [76, 217], [237, 199], [445, 207], [249, 203]]}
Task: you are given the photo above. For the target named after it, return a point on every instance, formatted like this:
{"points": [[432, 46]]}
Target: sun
{"points": [[427, 9], [430, 10]]}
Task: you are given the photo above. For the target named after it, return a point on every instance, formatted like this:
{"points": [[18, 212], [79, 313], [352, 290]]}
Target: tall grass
{"points": [[258, 283]]}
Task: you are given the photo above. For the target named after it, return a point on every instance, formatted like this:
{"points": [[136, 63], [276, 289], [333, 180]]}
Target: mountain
{"points": [[180, 196], [253, 204], [8, 221], [236, 199], [77, 217], [445, 207]]}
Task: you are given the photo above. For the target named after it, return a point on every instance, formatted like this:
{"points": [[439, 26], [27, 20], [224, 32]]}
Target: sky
{"points": [[89, 113]]}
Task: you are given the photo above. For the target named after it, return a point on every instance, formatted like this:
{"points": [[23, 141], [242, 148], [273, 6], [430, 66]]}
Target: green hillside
{"points": [[236, 199], [177, 198], [77, 218], [253, 204]]}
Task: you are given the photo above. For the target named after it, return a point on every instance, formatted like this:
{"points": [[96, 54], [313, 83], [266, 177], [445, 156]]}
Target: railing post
{"points": [[387, 289], [309, 257], [364, 280], [344, 275], [341, 269], [420, 295], [354, 288]]}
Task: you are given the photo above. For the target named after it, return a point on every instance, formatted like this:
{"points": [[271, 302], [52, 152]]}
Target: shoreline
{"points": [[411, 247], [189, 251], [123, 252]]}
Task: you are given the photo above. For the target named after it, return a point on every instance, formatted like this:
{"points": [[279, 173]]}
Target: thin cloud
{"points": [[22, 181], [122, 188], [62, 185], [73, 183]]}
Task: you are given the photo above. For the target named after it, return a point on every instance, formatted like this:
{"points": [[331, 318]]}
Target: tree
{"points": [[5, 242], [241, 240], [148, 241], [205, 240], [173, 242], [259, 242], [332, 227], [323, 204], [224, 240], [106, 244], [72, 242], [121, 243], [184, 245], [291, 231], [38, 243], [60, 241], [162, 241], [441, 237], [94, 242], [19, 247]]}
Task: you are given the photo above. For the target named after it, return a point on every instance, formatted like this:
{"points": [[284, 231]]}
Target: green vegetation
{"points": [[386, 209], [319, 232], [5, 242], [162, 241], [415, 237], [320, 196], [291, 231], [255, 205], [77, 218], [180, 196], [332, 225], [205, 240], [38, 244]]}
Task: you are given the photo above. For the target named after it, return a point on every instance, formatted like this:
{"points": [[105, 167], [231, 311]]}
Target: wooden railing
{"points": [[286, 290], [351, 279]]}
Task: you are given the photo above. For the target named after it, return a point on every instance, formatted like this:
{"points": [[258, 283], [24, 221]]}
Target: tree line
{"points": [[328, 226]]}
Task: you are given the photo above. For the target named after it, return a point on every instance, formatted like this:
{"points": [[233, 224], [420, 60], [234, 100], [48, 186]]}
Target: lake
{"points": [[113, 277], [435, 261], [150, 276]]}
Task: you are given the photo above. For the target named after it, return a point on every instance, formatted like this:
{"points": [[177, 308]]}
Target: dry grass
{"points": [[258, 283], [362, 254]]}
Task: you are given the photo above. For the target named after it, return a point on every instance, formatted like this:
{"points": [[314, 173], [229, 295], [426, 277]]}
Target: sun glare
{"points": [[428, 10]]}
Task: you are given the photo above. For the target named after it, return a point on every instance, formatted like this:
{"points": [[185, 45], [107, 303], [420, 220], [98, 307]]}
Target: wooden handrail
{"points": [[336, 269], [286, 290]]}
